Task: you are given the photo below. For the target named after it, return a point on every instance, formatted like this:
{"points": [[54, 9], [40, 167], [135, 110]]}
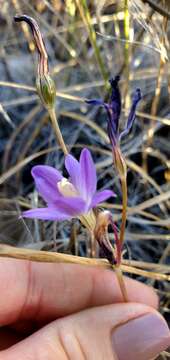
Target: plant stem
{"points": [[92, 245], [127, 51], [124, 209], [118, 270], [120, 279], [86, 17], [120, 165], [57, 131]]}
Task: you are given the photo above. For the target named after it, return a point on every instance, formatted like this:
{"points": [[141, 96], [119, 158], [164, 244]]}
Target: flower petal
{"points": [[131, 117], [73, 206], [73, 168], [45, 214], [112, 134], [101, 196], [114, 109], [88, 175], [64, 208], [46, 178]]}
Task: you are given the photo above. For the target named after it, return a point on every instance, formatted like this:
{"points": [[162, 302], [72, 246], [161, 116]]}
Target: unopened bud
{"points": [[46, 90], [119, 162], [45, 84]]}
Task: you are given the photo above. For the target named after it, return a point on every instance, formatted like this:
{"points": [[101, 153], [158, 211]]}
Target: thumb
{"points": [[120, 332]]}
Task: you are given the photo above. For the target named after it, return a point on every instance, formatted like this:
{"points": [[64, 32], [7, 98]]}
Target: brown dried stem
{"points": [[51, 257]]}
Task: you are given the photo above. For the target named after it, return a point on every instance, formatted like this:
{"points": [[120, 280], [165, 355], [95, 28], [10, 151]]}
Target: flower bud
{"points": [[119, 162], [45, 84], [46, 90]]}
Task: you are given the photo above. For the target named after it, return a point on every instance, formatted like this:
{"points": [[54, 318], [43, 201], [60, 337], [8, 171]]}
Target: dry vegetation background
{"points": [[87, 43]]}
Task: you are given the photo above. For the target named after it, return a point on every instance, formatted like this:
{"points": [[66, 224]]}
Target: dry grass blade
{"points": [[6, 116], [17, 86], [86, 17], [22, 163], [15, 133], [45, 256], [86, 121], [158, 8]]}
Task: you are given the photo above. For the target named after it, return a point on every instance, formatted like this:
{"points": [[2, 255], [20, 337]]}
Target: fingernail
{"points": [[142, 338]]}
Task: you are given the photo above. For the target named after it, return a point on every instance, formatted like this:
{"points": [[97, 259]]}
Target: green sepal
{"points": [[46, 90]]}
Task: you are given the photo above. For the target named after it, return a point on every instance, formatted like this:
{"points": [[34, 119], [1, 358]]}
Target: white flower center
{"points": [[66, 188]]}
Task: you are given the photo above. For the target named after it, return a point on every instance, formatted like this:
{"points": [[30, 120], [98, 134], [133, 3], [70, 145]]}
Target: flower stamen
{"points": [[66, 188]]}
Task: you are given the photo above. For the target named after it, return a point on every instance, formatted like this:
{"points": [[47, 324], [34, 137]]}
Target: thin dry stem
{"points": [[119, 274], [51, 257], [124, 210], [118, 270], [57, 131]]}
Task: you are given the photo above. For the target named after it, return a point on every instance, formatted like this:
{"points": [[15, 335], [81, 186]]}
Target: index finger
{"points": [[44, 292]]}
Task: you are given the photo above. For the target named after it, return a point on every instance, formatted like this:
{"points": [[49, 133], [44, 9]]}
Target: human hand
{"points": [[62, 311]]}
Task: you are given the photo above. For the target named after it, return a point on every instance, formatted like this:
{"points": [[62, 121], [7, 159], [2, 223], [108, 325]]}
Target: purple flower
{"points": [[67, 198], [113, 108]]}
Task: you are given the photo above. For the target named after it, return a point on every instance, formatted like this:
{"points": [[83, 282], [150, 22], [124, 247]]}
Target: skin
{"points": [[46, 309]]}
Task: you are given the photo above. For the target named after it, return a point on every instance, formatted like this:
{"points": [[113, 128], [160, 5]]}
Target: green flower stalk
{"points": [[45, 84]]}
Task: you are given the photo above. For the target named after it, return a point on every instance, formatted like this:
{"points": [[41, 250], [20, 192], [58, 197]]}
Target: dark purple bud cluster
{"points": [[113, 108]]}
